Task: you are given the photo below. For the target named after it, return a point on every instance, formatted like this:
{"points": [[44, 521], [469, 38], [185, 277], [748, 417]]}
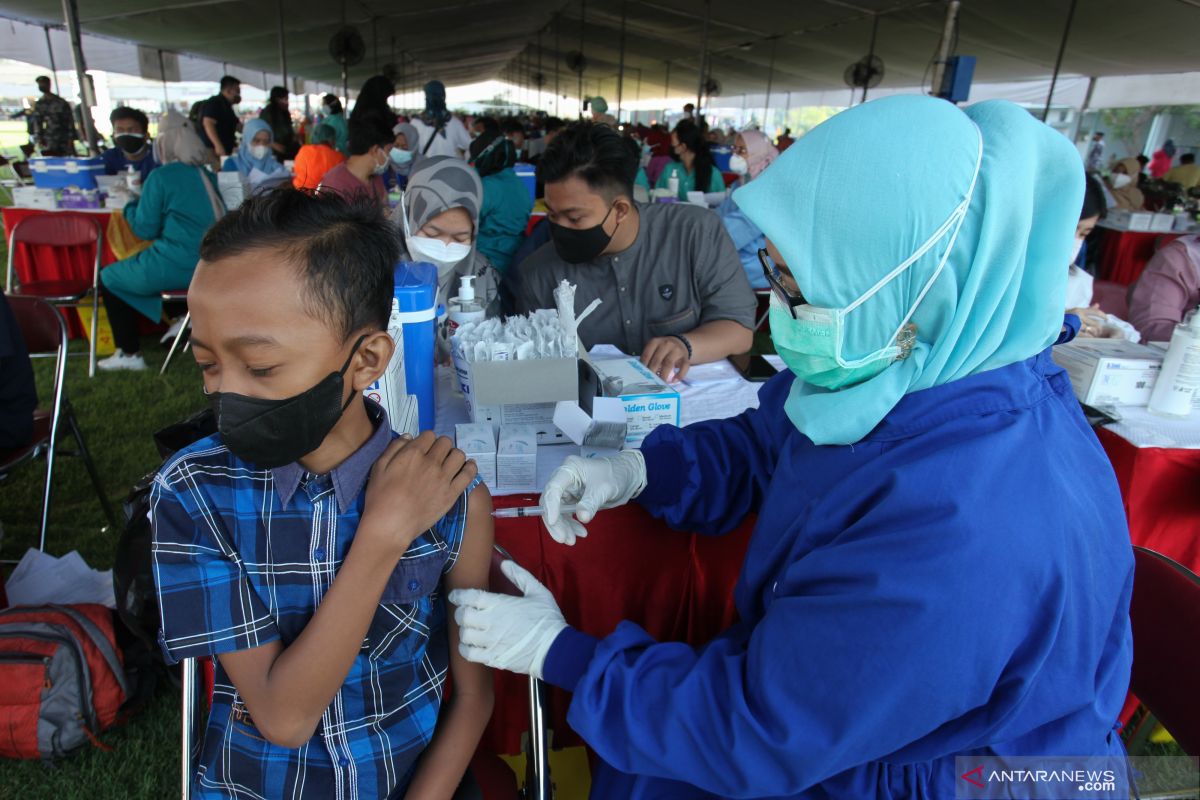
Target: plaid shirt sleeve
{"points": [[206, 603], [452, 527]]}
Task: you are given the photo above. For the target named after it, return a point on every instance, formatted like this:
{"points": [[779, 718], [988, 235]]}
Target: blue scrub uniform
{"points": [[956, 583]]}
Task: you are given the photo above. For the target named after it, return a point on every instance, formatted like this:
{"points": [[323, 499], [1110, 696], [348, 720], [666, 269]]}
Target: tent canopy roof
{"points": [[812, 41]]}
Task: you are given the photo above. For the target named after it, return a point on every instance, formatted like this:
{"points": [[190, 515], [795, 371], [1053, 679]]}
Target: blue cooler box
{"points": [[528, 175], [59, 173], [721, 155]]}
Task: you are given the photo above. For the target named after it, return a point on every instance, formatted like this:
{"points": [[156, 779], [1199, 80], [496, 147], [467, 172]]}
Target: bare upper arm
{"points": [[471, 572]]}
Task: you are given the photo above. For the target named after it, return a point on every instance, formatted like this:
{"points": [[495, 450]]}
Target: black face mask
{"points": [[131, 143], [272, 433], [576, 245]]}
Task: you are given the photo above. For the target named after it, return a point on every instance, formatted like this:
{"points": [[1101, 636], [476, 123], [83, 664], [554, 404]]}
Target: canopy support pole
{"points": [[557, 60], [71, 12], [282, 45], [50, 52], [582, 28], [870, 55], [770, 78], [539, 79], [1087, 101], [621, 63], [939, 64], [703, 58], [162, 73], [1062, 49]]}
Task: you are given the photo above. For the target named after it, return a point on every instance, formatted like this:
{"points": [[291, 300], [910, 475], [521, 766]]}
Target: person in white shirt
{"points": [[442, 133]]}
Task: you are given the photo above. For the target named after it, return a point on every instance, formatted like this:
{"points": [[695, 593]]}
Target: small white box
{"points": [[516, 458], [649, 400], [1162, 223], [603, 431], [34, 197], [1140, 220], [518, 392], [1109, 372], [478, 442]]}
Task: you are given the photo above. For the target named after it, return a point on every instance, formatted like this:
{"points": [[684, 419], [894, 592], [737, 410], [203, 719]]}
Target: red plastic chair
{"points": [[1165, 615], [61, 231], [45, 333]]}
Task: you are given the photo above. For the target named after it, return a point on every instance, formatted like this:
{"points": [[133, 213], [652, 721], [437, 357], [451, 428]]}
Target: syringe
{"points": [[530, 511]]}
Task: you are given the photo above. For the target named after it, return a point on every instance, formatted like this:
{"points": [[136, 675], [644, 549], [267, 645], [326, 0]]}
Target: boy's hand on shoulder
{"points": [[412, 485]]}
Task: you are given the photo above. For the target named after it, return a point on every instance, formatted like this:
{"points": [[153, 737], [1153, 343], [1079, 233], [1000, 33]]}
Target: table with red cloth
{"points": [[1124, 254], [1157, 463], [42, 263]]}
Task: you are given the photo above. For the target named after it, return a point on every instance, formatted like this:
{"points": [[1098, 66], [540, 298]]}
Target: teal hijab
{"points": [[859, 194]]}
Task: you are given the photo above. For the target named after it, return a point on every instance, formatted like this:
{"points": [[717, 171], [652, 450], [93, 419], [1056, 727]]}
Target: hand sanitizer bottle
{"points": [[464, 308]]}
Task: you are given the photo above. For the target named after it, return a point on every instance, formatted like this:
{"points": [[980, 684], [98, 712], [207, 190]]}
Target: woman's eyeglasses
{"points": [[775, 281]]}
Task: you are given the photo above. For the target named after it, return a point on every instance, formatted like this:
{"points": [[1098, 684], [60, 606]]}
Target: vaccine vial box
{"points": [[516, 458], [478, 442]]}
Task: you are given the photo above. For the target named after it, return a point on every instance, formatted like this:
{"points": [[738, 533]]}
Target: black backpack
{"points": [[133, 567]]}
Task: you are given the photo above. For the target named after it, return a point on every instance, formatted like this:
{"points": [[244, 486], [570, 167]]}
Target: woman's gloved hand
{"points": [[591, 484], [505, 632]]}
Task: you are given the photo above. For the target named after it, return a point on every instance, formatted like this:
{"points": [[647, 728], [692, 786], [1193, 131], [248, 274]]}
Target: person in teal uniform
{"points": [[179, 202], [332, 115], [693, 165], [506, 200]]}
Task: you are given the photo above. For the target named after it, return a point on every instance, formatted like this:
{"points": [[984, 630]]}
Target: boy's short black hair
{"points": [[513, 125], [125, 112], [344, 248], [228, 81], [278, 92], [367, 130], [594, 152]]}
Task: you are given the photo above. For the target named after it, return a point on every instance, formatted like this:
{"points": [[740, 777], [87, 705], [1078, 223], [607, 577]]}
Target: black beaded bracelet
{"points": [[686, 343]]}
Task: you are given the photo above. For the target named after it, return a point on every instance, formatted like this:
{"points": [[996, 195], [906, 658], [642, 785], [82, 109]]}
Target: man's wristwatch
{"points": [[686, 343]]}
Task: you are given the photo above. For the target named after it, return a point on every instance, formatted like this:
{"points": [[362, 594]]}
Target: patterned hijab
{"points": [[759, 151], [177, 142]]}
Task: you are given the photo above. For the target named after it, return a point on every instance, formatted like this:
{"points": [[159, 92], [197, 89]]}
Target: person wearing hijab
{"points": [[694, 165], [403, 154], [1160, 162], [439, 225], [332, 115], [375, 96], [504, 214], [752, 153], [179, 201], [1094, 322], [599, 108], [441, 133], [315, 160], [254, 153], [1122, 185], [940, 565]]}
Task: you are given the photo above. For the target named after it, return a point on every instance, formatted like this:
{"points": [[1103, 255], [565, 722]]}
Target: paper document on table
{"points": [[1142, 429]]}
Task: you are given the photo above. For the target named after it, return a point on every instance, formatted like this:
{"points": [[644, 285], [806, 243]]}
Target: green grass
{"points": [[118, 414]]}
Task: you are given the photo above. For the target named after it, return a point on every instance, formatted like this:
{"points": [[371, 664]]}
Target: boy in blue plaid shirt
{"points": [[305, 545]]}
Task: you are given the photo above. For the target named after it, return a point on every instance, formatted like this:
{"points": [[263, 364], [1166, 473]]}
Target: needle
{"points": [[529, 511]]}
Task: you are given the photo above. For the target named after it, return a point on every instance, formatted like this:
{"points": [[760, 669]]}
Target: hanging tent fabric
{"points": [[463, 41]]}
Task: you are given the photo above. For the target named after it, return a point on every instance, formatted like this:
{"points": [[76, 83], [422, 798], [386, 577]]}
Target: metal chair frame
{"points": [[175, 296], [59, 411], [66, 301], [538, 785]]}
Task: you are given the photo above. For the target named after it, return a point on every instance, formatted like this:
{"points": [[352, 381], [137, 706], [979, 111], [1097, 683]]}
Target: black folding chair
{"points": [[45, 333]]}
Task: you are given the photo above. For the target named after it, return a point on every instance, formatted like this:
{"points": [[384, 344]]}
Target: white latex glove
{"points": [[506, 632], [592, 484]]}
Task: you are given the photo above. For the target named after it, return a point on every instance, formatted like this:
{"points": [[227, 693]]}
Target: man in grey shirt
{"points": [[672, 287]]}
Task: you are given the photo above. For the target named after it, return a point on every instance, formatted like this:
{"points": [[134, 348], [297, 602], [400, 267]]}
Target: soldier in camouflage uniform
{"points": [[53, 122]]}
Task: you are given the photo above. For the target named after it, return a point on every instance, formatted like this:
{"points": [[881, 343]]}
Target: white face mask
{"points": [[326, 110], [739, 165], [259, 150], [443, 255], [1121, 180], [379, 169]]}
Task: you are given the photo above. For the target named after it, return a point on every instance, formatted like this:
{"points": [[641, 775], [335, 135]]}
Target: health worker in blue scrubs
{"points": [[941, 565]]}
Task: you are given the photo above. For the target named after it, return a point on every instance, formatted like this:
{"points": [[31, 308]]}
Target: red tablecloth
{"points": [[1124, 254], [678, 586], [1161, 491], [44, 263]]}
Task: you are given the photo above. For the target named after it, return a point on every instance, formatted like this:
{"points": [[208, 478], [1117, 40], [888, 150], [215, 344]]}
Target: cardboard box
{"points": [[33, 197], [516, 458], [598, 430], [73, 198], [519, 392], [478, 441], [1109, 372], [391, 390], [649, 400]]}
